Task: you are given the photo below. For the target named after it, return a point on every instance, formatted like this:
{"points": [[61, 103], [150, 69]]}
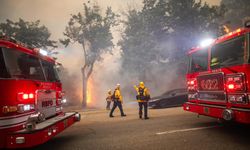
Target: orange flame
{"points": [[89, 91]]}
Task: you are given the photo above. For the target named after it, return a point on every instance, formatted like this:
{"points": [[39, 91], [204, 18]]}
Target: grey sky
{"points": [[55, 13]]}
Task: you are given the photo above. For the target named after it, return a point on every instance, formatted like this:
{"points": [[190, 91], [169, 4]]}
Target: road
{"points": [[170, 128]]}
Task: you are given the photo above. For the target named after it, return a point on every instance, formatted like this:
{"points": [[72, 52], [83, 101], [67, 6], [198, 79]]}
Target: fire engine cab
{"points": [[218, 78], [30, 97]]}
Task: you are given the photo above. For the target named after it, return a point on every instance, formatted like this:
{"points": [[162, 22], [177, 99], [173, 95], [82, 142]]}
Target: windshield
{"points": [[228, 53], [50, 71], [16, 64], [3, 70], [198, 61], [21, 65]]}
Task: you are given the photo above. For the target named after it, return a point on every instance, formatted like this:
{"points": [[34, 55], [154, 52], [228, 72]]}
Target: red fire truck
{"points": [[30, 97], [218, 78]]}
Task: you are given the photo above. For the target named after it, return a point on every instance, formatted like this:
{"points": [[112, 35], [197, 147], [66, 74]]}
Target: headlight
{"points": [[64, 101]]}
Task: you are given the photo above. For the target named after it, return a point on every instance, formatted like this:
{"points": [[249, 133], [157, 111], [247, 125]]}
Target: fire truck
{"points": [[218, 78], [30, 97]]}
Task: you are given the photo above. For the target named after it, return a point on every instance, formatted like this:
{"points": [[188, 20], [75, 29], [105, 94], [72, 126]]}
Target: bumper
{"points": [[241, 115], [42, 131]]}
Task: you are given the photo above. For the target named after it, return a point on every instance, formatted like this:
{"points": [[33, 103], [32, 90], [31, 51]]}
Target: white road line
{"points": [[185, 130]]}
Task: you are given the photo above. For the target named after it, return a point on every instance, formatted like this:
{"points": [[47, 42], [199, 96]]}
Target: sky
{"points": [[55, 14]]}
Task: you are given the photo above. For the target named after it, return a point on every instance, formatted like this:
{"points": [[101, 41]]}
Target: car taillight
{"points": [[25, 96], [192, 84], [235, 83]]}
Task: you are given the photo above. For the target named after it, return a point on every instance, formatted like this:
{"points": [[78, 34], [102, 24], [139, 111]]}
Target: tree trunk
{"points": [[84, 90], [86, 72]]}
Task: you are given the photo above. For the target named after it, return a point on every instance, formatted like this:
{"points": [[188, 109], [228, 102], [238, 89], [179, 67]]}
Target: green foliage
{"points": [[237, 11], [90, 29], [164, 30], [140, 41], [93, 31], [192, 21], [30, 33]]}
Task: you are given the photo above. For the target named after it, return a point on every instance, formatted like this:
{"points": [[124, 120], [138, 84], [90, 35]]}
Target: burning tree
{"points": [[93, 32]]}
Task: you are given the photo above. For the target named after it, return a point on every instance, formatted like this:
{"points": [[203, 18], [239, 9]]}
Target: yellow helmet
{"points": [[214, 60], [141, 84], [118, 86]]}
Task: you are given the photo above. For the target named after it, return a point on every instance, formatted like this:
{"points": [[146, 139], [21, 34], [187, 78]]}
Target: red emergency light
{"points": [[230, 86], [25, 96], [235, 83]]}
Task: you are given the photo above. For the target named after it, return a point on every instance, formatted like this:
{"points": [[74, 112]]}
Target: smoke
{"points": [[55, 15]]}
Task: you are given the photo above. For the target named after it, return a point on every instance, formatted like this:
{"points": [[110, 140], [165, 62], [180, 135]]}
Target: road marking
{"points": [[185, 130]]}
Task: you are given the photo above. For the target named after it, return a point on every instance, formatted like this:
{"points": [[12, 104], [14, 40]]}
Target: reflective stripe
{"points": [[13, 121], [11, 126], [16, 116]]}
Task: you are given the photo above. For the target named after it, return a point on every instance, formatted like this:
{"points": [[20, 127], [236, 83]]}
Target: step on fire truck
{"points": [[30, 97], [218, 78]]}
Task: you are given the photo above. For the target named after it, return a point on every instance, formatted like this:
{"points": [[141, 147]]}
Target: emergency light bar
{"points": [[43, 52], [206, 42]]}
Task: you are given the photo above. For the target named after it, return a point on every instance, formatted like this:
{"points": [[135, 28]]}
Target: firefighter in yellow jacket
{"points": [[142, 97], [109, 99], [117, 99]]}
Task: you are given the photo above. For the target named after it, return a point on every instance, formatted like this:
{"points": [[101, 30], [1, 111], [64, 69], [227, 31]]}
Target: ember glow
{"points": [[90, 91]]}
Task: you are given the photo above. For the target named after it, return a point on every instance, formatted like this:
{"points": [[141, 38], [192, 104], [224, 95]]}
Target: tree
{"points": [[31, 33], [237, 11], [159, 35], [191, 21], [140, 40], [93, 32]]}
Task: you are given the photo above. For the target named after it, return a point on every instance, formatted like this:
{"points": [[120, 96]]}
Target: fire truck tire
{"points": [[228, 115]]}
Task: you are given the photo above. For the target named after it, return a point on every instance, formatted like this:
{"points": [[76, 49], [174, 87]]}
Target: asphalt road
{"points": [[171, 128]]}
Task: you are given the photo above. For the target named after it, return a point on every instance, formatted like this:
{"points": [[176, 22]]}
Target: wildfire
{"points": [[89, 91]]}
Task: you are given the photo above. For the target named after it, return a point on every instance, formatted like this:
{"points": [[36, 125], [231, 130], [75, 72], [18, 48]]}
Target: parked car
{"points": [[170, 98]]}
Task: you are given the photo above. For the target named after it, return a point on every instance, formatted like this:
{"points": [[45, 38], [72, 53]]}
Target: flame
{"points": [[226, 29], [89, 91]]}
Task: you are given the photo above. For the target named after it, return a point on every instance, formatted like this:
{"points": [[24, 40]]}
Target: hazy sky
{"points": [[55, 13]]}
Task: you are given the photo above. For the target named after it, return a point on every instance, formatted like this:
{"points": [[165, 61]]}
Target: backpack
{"points": [[141, 95]]}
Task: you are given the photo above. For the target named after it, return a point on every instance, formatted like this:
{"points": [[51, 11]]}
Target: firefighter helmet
{"points": [[141, 84]]}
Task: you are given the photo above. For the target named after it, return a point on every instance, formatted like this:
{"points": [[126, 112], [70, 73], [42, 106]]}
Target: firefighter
{"points": [[117, 98], [214, 62], [109, 99], [142, 97]]}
